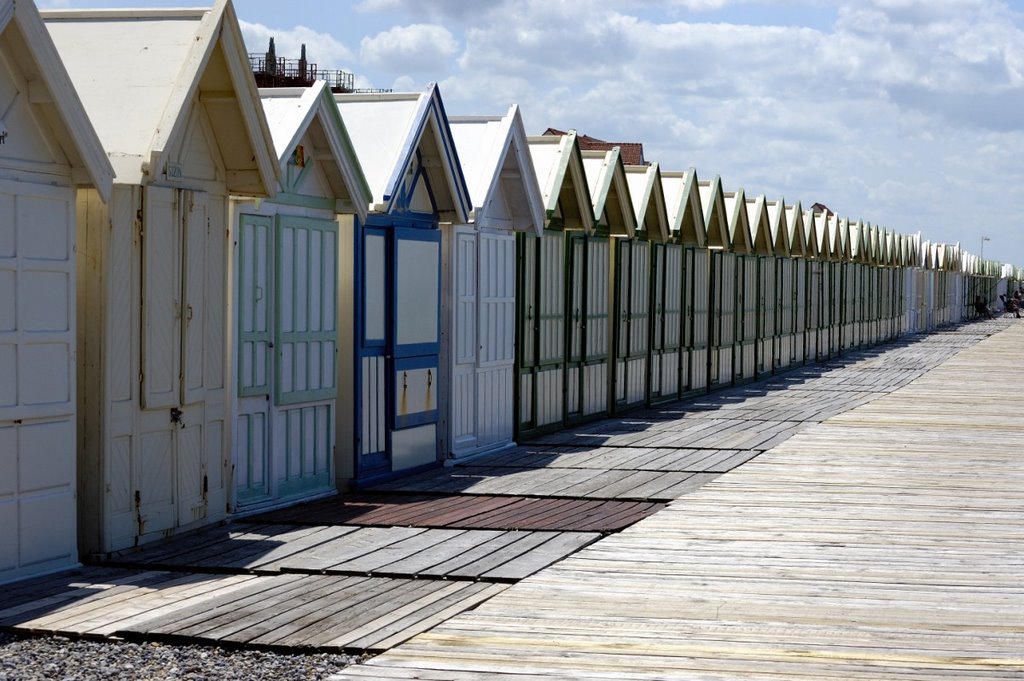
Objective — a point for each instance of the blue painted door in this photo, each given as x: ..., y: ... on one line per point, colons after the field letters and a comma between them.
x: 397, y: 384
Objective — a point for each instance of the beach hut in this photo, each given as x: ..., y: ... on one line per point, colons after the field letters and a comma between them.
x: 681, y: 295
x: 479, y: 265
x: 594, y: 260
x: 722, y: 314
x: 800, y: 260
x: 821, y: 283
x: 745, y: 299
x: 48, y: 148
x: 646, y: 337
x: 542, y: 315
x: 391, y: 400
x: 782, y: 326
x: 832, y: 296
x: 764, y: 297
x: 285, y: 300
x: 154, y: 378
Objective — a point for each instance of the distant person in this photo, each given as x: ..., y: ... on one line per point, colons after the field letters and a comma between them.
x: 1011, y: 304
x: 980, y: 308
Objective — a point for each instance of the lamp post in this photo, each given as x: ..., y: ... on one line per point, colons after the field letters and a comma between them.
x: 981, y: 255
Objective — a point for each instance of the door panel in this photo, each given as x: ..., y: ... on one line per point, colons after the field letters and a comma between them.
x: 161, y: 292
x: 254, y: 296
x: 415, y: 346
x: 196, y: 229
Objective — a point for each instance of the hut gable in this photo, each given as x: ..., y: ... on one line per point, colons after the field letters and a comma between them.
x: 495, y: 159
x: 314, y: 151
x: 407, y: 153
x: 822, y: 236
x: 558, y: 165
x: 190, y: 90
x: 609, y: 191
x: 45, y: 126
x: 683, y: 203
x: 740, y: 239
x: 716, y: 218
x: 760, y: 228
x: 648, y: 198
x: 798, y: 245
x: 778, y: 227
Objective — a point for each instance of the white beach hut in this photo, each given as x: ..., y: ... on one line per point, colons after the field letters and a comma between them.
x: 286, y: 287
x: 389, y: 414
x: 153, y: 384
x: 722, y: 314
x: 479, y: 266
x: 47, y: 148
x: 680, y: 292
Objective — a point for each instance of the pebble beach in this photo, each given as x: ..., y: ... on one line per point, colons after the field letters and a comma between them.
x: 55, y: 658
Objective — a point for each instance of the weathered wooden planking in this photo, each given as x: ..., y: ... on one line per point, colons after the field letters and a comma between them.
x: 882, y: 543
x: 326, y: 612
x: 474, y: 511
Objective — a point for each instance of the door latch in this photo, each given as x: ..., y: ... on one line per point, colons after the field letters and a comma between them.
x: 176, y: 416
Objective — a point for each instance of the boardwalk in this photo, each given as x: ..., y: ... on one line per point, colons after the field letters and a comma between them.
x: 883, y: 542
x: 858, y: 519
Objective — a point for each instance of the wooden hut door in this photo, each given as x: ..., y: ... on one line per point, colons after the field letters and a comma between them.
x: 415, y: 345
x: 399, y: 350
x: 495, y: 367
x: 170, y: 471
x: 666, y: 323
x: 631, y: 331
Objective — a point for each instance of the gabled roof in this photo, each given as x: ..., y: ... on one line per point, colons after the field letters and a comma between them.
x: 683, y: 205
x: 53, y: 96
x: 609, y: 190
x: 563, y: 182
x: 836, y: 240
x: 860, y: 242
x: 716, y: 218
x: 778, y: 225
x: 502, y: 183
x: 309, y: 113
x: 813, y: 241
x: 395, y: 132
x: 647, y: 194
x: 798, y: 246
x: 760, y: 229
x: 875, y: 242
x: 740, y: 239
x: 138, y: 72
x: 841, y: 233
x: 890, y: 249
x: 821, y: 228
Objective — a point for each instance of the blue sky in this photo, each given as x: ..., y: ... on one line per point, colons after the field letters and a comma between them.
x: 903, y: 113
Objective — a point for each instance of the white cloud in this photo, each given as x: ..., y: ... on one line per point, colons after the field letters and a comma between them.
x: 413, y: 49
x: 321, y: 48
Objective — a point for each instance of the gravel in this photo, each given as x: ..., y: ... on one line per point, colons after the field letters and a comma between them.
x: 55, y: 658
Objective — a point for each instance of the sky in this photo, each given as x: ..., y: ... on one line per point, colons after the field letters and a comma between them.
x: 908, y: 114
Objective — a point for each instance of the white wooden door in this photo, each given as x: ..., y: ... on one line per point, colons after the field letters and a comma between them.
x: 252, y: 426
x: 170, y: 472
x: 464, y: 345
x: 495, y: 370
x: 37, y: 379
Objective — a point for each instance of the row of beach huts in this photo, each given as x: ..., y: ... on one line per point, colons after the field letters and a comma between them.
x: 216, y: 298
